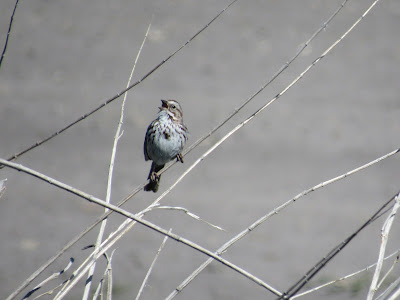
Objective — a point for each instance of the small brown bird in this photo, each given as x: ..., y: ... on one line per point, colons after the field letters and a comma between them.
x: 165, y: 138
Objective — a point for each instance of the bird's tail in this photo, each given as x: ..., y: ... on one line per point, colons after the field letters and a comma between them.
x: 154, y: 178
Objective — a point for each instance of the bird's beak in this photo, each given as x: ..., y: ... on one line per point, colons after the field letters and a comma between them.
x: 164, y: 104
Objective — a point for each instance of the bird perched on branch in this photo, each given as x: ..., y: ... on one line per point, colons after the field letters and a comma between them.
x: 165, y: 138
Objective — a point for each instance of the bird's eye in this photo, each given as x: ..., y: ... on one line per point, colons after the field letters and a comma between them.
x: 173, y: 106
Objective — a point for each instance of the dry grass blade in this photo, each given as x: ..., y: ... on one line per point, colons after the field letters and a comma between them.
x: 2, y: 186
x: 134, y: 217
x: 328, y: 257
x: 80, y: 235
x: 186, y: 211
x: 385, y: 237
x: 146, y: 278
x: 345, y: 277
x: 108, y: 274
x: 62, y: 251
x: 117, y: 136
x: 39, y: 143
x: 272, y: 79
x: 274, y: 212
x: 393, y: 284
x: 47, y: 280
x: 8, y: 33
x: 385, y: 295
x: 258, y: 111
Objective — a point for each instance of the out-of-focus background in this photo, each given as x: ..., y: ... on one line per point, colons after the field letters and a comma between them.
x: 66, y: 57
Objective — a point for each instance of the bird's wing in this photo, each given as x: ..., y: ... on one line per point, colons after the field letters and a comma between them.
x: 146, y: 155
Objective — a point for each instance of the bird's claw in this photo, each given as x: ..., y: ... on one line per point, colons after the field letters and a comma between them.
x: 179, y: 158
x: 154, y: 177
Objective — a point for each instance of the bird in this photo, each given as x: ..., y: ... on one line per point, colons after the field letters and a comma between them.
x: 164, y: 140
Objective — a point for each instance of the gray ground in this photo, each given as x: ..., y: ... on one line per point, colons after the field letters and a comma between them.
x: 66, y: 57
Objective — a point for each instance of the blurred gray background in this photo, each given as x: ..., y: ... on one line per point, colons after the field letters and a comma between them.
x: 66, y: 57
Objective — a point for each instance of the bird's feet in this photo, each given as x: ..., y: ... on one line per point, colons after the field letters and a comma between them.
x: 154, y: 177
x: 179, y: 158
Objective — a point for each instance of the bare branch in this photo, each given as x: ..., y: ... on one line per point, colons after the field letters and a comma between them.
x: 386, y: 293
x: 8, y: 33
x: 344, y: 277
x: 328, y: 257
x: 146, y: 278
x: 272, y: 79
x: 186, y: 211
x: 243, y: 123
x: 274, y: 212
x: 385, y: 236
x: 2, y: 186
x: 37, y: 144
x: 139, y: 220
x: 48, y: 279
x: 111, y: 169
x: 108, y: 274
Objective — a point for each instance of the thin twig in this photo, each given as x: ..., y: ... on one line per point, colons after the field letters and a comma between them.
x: 186, y: 211
x: 62, y: 251
x: 66, y: 247
x: 187, y: 150
x: 108, y: 243
x: 146, y: 278
x: 108, y: 274
x: 110, y: 277
x: 134, y: 217
x: 274, y: 212
x: 392, y: 286
x: 99, y: 290
x: 111, y: 169
x: 388, y: 272
x: 15, y: 156
x: 266, y: 84
x: 104, y: 247
x: 327, y: 258
x: 384, y: 236
x: 8, y: 32
x: 243, y: 123
x: 2, y: 186
x: 395, y: 284
x: 82, y: 235
x: 48, y: 279
x: 344, y: 277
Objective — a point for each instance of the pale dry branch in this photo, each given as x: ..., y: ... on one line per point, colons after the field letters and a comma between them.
x: 8, y: 33
x: 186, y: 211
x: 2, y: 187
x: 110, y: 277
x: 86, y: 265
x: 388, y: 272
x: 275, y: 211
x: 117, y: 136
x: 83, y: 117
x: 272, y: 79
x: 293, y: 200
x: 108, y: 274
x: 345, y: 277
x: 47, y: 280
x: 384, y: 236
x: 62, y: 251
x: 328, y: 257
x: 98, y: 291
x: 396, y: 294
x: 146, y: 278
x: 144, y: 222
x: 258, y: 111
x: 105, y: 215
